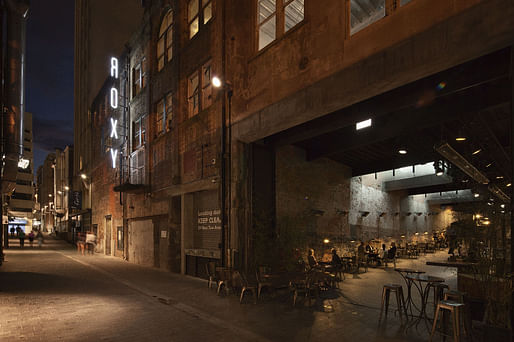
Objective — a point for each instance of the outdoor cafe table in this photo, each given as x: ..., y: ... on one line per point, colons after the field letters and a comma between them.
x: 422, y: 282
x: 404, y: 272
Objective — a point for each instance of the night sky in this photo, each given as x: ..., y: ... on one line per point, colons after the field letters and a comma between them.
x: 49, y: 75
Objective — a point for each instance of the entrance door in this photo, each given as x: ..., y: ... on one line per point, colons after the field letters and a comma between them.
x: 108, y: 230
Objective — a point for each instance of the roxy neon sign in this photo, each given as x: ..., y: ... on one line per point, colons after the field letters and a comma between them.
x: 114, y: 105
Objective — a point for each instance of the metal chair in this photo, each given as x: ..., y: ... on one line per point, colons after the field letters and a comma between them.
x: 262, y: 282
x: 210, y: 269
x: 242, y: 282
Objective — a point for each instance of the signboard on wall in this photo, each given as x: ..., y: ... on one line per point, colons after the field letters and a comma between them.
x: 209, y: 219
x: 76, y: 200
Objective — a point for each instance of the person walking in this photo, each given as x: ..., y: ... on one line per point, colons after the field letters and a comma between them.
x: 90, y: 242
x: 39, y: 237
x: 31, y: 238
x: 21, y: 236
x: 12, y: 231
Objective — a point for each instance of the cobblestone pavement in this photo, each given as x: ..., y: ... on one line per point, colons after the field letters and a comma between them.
x: 55, y: 294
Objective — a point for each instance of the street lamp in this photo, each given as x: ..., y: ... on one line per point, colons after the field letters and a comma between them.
x: 225, y: 186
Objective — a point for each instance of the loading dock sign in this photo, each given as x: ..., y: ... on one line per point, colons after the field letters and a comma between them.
x: 209, y: 220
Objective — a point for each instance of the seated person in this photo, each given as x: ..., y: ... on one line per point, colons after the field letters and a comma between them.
x: 382, y: 254
x: 312, y: 259
x: 336, y: 260
x: 391, y: 253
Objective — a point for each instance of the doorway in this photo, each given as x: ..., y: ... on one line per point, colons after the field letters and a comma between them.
x: 108, y: 230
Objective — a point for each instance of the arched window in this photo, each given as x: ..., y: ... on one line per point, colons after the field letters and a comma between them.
x: 164, y: 45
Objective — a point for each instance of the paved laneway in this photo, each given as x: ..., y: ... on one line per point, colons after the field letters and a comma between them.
x: 54, y: 294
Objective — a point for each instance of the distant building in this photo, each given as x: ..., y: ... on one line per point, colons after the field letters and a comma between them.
x: 13, y: 17
x: 20, y: 207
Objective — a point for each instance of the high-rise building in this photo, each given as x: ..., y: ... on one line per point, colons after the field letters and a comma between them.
x: 20, y: 206
x: 13, y: 17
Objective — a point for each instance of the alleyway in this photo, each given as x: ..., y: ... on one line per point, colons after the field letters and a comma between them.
x: 54, y: 294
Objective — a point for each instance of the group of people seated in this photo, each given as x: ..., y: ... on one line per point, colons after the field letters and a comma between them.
x: 381, y: 255
x: 364, y: 252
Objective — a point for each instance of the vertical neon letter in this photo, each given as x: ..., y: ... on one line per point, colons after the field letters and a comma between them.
x: 114, y: 153
x: 114, y: 124
x: 114, y: 67
x: 114, y: 98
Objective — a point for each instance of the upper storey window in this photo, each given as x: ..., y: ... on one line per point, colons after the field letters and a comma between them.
x: 164, y: 45
x: 276, y: 17
x: 365, y: 12
x: 199, y: 13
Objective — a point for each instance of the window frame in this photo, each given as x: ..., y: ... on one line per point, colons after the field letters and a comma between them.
x: 164, y: 114
x: 203, y: 90
x: 166, y: 38
x: 280, y: 21
x: 201, y: 7
x: 138, y: 77
x: 138, y: 133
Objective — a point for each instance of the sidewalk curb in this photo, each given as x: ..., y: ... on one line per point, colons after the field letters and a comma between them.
x: 177, y: 305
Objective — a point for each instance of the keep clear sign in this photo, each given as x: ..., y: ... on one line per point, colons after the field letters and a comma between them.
x: 209, y: 220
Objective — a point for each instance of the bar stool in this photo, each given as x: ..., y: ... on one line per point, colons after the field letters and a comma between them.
x: 455, y: 310
x: 455, y: 296
x: 400, y: 300
x: 438, y: 292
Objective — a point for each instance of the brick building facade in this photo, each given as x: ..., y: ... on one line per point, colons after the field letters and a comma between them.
x: 296, y: 78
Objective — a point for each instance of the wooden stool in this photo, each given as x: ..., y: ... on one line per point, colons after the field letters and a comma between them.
x: 455, y: 310
x: 455, y: 296
x: 438, y: 292
x: 400, y: 300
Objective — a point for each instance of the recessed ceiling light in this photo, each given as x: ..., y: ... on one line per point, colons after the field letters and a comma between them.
x: 476, y: 195
x: 489, y: 165
x: 402, y: 151
x: 477, y: 151
x: 499, y: 177
x: 363, y: 124
x: 509, y: 185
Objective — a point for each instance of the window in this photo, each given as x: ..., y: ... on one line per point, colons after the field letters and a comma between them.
x: 200, y: 89
x: 159, y: 118
x: 164, y: 45
x: 364, y: 13
x: 164, y: 114
x: 206, y: 85
x: 138, y: 77
x: 138, y: 133
x: 276, y: 17
x: 193, y: 94
x: 199, y: 13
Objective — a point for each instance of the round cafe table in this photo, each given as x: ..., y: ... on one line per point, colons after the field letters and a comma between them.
x: 422, y: 282
x: 403, y: 272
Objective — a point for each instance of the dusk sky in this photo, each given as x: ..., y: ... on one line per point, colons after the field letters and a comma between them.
x: 49, y: 88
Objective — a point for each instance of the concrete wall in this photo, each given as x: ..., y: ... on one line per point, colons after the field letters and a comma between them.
x: 318, y: 68
x: 323, y: 199
x: 312, y: 195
